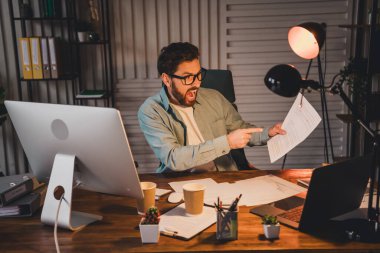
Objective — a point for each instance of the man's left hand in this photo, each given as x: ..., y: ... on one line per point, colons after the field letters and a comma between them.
x: 276, y: 129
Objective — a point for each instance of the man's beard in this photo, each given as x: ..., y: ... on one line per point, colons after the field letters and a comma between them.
x: 182, y: 98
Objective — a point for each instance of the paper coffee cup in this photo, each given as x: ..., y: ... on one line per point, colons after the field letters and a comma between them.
x: 193, y: 194
x: 149, y: 190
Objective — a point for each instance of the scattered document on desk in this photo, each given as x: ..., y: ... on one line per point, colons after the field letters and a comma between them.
x: 300, y: 122
x: 255, y: 191
x: 266, y: 189
x: 178, y: 224
x: 161, y: 192
x: 209, y: 183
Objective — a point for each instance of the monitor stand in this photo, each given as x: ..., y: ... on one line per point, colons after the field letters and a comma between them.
x: 61, y: 180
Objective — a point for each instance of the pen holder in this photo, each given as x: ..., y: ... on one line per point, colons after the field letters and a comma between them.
x: 227, y: 225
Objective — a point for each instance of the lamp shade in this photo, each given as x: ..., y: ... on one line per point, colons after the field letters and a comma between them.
x: 307, y: 39
x: 286, y: 81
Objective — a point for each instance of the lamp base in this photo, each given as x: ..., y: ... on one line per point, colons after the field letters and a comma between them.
x: 362, y: 230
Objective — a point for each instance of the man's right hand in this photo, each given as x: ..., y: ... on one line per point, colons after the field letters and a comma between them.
x: 240, y: 137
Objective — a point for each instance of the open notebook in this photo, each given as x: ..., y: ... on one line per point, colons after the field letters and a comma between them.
x: 178, y: 224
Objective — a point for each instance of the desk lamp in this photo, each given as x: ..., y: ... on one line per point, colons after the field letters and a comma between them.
x: 306, y: 40
x: 285, y: 80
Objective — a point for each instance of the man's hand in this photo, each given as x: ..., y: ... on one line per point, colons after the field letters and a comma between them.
x: 240, y: 137
x: 276, y: 129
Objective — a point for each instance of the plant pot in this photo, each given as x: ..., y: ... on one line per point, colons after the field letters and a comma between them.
x: 82, y: 36
x: 272, y: 231
x: 150, y: 233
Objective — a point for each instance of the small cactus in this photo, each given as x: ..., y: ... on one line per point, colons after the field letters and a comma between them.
x: 152, y: 216
x: 269, y: 220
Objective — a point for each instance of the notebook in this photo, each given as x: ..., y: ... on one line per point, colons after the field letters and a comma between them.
x: 334, y: 190
x: 177, y: 224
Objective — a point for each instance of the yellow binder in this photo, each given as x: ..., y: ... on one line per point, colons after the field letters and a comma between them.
x: 35, y: 48
x: 26, y: 63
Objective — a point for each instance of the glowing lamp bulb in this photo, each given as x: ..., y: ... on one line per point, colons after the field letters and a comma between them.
x: 303, y: 42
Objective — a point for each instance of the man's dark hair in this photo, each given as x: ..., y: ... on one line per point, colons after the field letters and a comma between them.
x: 174, y: 54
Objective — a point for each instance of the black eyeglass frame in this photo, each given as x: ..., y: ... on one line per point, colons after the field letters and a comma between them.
x: 200, y: 76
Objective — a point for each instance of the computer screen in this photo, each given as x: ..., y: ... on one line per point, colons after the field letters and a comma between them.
x: 94, y: 138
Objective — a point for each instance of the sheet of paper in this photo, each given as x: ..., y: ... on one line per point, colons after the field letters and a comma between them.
x: 266, y: 189
x: 255, y: 191
x: 177, y: 222
x: 209, y: 183
x: 161, y: 192
x: 299, y: 124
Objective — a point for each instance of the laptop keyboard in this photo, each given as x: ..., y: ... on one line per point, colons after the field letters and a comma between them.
x: 293, y: 214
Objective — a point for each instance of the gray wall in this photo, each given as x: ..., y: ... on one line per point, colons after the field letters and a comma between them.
x: 246, y: 36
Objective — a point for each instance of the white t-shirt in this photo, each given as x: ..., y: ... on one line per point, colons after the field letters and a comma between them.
x: 194, y: 136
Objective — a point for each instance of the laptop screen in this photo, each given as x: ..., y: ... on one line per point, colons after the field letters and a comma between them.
x: 334, y: 190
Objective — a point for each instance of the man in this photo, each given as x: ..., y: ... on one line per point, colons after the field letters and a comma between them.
x: 189, y: 127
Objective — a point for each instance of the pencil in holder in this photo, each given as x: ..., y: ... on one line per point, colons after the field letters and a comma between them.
x: 227, y: 225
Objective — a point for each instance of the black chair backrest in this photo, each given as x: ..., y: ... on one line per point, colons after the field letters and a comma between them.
x: 221, y: 80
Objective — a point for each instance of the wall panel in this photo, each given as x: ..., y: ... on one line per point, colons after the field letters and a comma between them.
x: 246, y: 36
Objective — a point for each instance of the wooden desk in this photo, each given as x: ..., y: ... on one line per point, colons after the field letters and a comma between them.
x: 116, y: 233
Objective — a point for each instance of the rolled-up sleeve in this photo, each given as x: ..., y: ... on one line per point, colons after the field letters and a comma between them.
x: 161, y: 135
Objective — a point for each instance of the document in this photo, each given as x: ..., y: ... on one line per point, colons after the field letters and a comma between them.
x: 300, y: 122
x: 266, y: 189
x: 209, y: 183
x: 178, y: 224
x: 255, y: 191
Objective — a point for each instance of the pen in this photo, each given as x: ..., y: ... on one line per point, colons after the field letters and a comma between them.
x: 235, y: 203
x: 169, y: 232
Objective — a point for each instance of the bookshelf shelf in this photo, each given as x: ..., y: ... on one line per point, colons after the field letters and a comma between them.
x: 71, y: 61
x: 100, y: 42
x: 44, y: 19
x: 62, y: 78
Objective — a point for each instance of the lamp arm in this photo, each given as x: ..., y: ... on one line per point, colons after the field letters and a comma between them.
x: 373, y: 213
x: 337, y: 89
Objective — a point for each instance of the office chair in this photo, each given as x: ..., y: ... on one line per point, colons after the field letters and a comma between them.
x: 221, y: 80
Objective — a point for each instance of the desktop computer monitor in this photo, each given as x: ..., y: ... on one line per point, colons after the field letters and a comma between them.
x: 70, y: 145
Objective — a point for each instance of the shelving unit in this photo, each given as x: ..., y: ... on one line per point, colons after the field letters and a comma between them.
x: 73, y: 55
x: 365, y: 48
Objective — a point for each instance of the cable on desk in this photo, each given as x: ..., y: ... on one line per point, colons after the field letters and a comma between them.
x: 56, y: 224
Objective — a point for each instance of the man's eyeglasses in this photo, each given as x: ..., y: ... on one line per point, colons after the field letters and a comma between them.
x: 190, y: 79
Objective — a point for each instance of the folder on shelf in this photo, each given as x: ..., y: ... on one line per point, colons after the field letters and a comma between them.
x: 45, y: 58
x: 26, y: 63
x: 35, y: 49
x: 54, y: 57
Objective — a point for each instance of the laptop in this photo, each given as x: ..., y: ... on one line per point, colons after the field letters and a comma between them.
x: 334, y: 190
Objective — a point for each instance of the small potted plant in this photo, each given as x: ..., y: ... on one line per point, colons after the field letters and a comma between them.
x: 83, y: 28
x: 271, y: 227
x: 149, y: 226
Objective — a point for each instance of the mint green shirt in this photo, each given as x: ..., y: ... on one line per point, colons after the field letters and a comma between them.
x: 215, y: 116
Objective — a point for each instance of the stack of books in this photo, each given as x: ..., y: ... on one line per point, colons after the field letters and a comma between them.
x: 20, y: 195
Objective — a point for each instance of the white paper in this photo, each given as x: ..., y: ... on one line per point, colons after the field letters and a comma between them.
x: 161, y: 192
x: 298, y: 124
x: 209, y: 183
x: 186, y: 226
x: 266, y: 189
x: 255, y: 191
